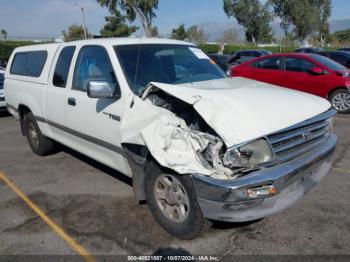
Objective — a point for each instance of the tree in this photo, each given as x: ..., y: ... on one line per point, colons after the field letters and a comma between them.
x: 306, y: 16
x: 325, y: 11
x: 75, y: 32
x: 116, y: 27
x: 196, y: 35
x: 253, y: 16
x: 179, y: 33
x: 143, y: 9
x: 229, y: 37
x: 154, y: 31
x: 3, y: 33
x: 342, y: 36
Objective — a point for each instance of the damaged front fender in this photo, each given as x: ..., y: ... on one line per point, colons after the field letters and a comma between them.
x: 171, y: 142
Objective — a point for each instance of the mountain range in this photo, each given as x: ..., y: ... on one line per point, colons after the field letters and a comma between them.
x: 214, y: 30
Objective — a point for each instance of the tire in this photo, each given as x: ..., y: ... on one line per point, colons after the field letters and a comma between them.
x: 340, y: 100
x: 39, y: 144
x: 187, y: 225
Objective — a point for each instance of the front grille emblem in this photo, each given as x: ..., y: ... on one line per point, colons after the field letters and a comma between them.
x: 307, y: 135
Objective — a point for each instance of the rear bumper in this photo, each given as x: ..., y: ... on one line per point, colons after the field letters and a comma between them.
x: 227, y: 200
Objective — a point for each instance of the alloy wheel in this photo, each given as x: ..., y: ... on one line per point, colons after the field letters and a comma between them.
x: 171, y: 198
x: 341, y: 101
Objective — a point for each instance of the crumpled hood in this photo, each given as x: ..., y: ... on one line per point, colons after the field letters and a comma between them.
x: 241, y: 109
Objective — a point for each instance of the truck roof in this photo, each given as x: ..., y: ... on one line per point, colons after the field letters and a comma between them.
x: 52, y: 48
x: 111, y: 41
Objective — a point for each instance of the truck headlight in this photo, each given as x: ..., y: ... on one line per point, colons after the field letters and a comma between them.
x: 249, y: 155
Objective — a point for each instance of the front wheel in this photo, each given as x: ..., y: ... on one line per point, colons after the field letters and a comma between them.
x: 340, y: 100
x: 172, y: 201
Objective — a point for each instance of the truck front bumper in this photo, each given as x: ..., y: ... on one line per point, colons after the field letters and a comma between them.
x: 227, y: 200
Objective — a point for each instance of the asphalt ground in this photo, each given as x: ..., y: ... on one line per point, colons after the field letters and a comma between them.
x: 94, y: 206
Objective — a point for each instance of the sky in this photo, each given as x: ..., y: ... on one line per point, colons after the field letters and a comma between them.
x: 47, y: 18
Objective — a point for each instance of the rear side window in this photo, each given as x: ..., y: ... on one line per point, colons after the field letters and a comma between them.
x: 62, y: 67
x: 28, y: 63
x: 298, y: 65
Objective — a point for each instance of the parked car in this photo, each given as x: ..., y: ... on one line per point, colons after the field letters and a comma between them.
x: 2, y: 97
x: 220, y: 60
x: 242, y: 56
x: 309, y: 73
x: 199, y: 146
x: 238, y: 55
x: 346, y: 49
x: 340, y: 57
x: 308, y: 50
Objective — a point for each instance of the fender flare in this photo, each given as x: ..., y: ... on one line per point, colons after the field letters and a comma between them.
x: 138, y: 157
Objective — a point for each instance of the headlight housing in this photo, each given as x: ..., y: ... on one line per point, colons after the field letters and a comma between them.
x: 330, y: 125
x: 249, y: 155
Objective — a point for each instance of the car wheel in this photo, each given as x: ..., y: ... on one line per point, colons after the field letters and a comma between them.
x: 340, y: 100
x: 39, y: 144
x: 172, y: 201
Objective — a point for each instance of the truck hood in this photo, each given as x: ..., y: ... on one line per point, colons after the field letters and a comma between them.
x: 241, y: 109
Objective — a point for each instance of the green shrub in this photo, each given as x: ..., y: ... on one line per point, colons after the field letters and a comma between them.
x: 209, y: 48
x: 7, y: 47
x: 229, y: 49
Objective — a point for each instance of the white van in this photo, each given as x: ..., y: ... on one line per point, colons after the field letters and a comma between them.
x: 198, y: 145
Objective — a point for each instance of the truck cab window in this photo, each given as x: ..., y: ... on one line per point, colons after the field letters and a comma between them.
x: 93, y: 63
x: 29, y: 63
x: 62, y: 67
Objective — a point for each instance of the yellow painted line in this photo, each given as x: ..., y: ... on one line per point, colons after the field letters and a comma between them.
x: 56, y: 228
x: 341, y: 170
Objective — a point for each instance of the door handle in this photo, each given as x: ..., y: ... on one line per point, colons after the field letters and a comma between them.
x: 71, y: 101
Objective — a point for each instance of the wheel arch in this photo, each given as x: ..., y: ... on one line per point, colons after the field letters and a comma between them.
x: 138, y: 158
x: 335, y: 89
x: 22, y: 111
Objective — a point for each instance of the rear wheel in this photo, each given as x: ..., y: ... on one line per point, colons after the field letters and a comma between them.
x: 340, y: 100
x: 172, y: 201
x: 39, y: 144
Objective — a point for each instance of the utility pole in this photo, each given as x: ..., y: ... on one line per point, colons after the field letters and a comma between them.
x: 83, y: 17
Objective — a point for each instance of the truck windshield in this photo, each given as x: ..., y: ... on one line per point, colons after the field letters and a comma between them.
x: 164, y: 63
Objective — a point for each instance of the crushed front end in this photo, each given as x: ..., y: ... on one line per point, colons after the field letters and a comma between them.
x: 300, y: 157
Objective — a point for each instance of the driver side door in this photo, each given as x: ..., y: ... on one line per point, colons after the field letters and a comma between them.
x: 94, y: 123
x: 297, y: 76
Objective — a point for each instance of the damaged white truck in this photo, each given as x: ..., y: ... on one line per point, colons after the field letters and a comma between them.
x: 198, y: 145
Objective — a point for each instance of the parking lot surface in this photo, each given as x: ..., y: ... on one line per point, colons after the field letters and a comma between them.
x: 94, y: 205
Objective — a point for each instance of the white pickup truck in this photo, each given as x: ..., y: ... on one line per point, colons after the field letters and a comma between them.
x: 198, y: 145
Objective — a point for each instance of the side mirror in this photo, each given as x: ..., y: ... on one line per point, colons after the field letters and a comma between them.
x: 316, y: 71
x: 100, y: 89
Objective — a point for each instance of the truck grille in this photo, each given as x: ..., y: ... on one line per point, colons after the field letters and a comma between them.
x: 298, y: 139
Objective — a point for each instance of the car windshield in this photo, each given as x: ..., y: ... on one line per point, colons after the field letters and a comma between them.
x: 334, y: 66
x: 164, y: 63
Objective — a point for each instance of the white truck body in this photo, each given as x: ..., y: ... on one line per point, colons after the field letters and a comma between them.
x: 239, y: 111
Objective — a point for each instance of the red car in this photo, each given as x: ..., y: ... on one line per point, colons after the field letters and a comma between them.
x: 309, y: 73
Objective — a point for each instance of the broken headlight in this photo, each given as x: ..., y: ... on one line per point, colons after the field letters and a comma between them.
x: 249, y: 155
